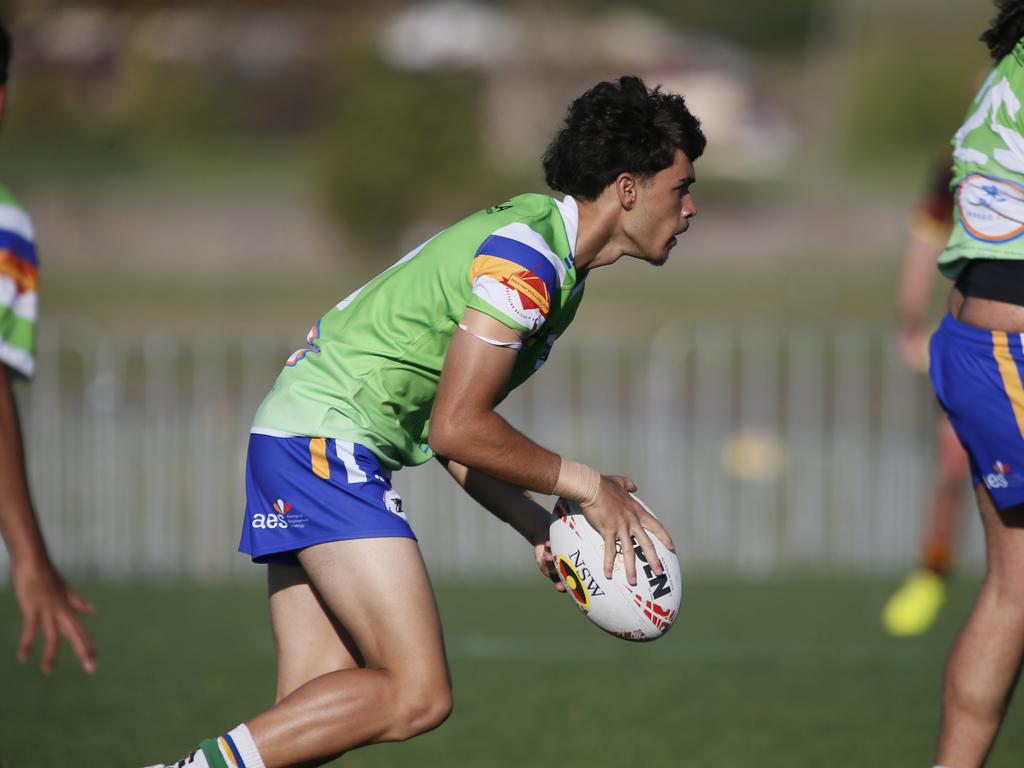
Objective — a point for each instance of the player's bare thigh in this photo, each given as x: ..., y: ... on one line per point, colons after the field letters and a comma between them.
x: 1004, y: 544
x: 308, y: 640
x: 379, y: 591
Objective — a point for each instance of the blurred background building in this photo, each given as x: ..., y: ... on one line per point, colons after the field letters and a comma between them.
x: 208, y: 178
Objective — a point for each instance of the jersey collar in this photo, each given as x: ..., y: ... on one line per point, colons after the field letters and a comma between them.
x: 571, y: 220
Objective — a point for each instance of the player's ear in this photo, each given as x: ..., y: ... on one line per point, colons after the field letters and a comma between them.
x: 625, y: 189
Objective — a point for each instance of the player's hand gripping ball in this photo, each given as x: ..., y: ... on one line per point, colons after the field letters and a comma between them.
x: 644, y: 612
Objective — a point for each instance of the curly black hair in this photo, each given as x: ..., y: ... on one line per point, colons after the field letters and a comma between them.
x: 1006, y: 29
x: 5, y: 53
x: 616, y: 127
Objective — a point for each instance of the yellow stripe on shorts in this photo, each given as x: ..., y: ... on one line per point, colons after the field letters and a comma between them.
x: 224, y: 748
x: 318, y: 456
x: 1011, y: 376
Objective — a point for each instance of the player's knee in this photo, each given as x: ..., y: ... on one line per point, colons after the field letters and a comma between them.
x: 422, y: 711
x: 1003, y: 593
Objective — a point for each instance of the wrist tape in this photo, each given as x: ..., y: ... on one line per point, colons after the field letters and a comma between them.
x: 577, y: 482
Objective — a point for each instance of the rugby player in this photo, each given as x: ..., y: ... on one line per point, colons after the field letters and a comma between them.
x: 976, y: 357
x: 408, y: 368
x: 48, y: 605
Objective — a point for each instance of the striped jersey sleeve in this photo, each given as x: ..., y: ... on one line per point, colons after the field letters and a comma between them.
x: 18, y: 278
x: 515, y: 276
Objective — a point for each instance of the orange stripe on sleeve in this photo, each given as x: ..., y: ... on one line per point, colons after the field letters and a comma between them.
x: 24, y: 274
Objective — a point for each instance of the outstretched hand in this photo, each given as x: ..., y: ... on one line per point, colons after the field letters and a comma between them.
x: 51, y: 607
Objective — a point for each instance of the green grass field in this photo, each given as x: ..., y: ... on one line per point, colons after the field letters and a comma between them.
x: 786, y: 672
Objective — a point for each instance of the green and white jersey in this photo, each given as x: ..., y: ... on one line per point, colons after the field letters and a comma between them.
x: 371, y: 366
x: 988, y: 171
x: 18, y: 280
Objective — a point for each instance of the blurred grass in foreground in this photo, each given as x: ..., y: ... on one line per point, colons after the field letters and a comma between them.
x: 788, y: 672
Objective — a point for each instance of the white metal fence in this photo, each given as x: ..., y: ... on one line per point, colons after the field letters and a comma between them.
x: 760, y: 447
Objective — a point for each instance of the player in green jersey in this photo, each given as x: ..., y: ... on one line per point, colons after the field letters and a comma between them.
x: 977, y: 358
x: 409, y: 367
x: 47, y: 604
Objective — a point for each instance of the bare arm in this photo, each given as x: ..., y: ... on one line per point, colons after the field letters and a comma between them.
x: 46, y: 602
x: 464, y: 428
x: 915, y: 293
x: 513, y: 505
x: 463, y: 425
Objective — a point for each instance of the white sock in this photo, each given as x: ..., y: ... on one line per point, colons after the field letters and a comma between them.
x: 196, y: 760
x: 246, y: 747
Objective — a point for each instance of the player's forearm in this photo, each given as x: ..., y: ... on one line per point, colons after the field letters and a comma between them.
x: 18, y: 524
x: 489, y: 444
x: 918, y: 279
x: 22, y: 535
x: 507, y: 502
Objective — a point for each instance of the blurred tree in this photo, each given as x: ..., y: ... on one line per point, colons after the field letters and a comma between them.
x: 777, y: 26
x: 401, y: 147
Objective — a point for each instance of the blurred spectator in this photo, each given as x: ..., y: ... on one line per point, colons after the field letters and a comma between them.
x: 916, y: 604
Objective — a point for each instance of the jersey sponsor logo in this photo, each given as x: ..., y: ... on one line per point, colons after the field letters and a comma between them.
x: 991, y: 209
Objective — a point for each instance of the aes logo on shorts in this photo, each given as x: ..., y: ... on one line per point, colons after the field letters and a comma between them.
x: 1002, y: 478
x: 281, y: 517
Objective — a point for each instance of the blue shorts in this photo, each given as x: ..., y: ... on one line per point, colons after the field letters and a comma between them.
x: 301, y: 491
x: 976, y: 374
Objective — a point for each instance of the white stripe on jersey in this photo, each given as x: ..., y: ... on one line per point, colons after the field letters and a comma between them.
x: 346, y: 452
x: 24, y: 305
x: 17, y: 358
x: 526, y: 236
x: 272, y: 432
x: 14, y: 219
x: 570, y: 220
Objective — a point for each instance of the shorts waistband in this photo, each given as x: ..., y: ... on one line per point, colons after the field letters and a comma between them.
x: 971, y: 334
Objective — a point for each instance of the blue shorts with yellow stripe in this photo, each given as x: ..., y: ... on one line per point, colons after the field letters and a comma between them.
x: 976, y: 374
x: 301, y: 491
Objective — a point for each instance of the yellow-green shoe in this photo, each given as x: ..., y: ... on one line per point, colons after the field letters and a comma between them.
x: 915, y: 605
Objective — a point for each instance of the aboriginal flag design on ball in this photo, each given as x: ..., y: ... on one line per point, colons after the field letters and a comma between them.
x: 573, y: 582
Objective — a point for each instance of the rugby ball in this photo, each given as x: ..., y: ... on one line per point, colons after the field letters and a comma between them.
x: 640, y: 613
